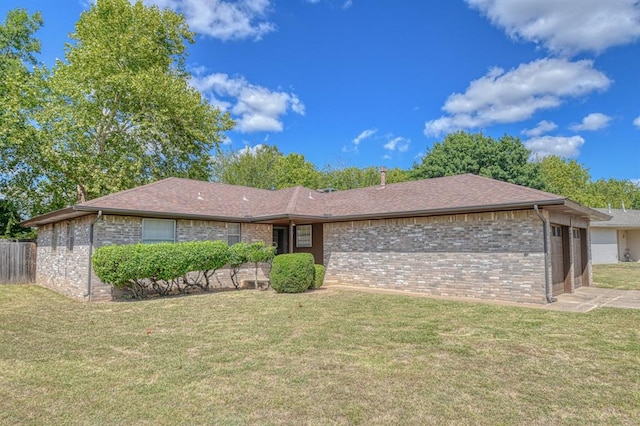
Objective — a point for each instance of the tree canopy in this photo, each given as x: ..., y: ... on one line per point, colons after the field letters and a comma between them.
x: 265, y: 167
x: 119, y: 110
x: 573, y: 180
x: 505, y: 159
x: 20, y: 90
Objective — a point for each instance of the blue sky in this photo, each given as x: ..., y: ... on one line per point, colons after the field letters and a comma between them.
x: 362, y: 83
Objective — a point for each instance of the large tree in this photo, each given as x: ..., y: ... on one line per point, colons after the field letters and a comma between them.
x: 21, y: 87
x: 342, y: 178
x: 119, y: 111
x: 265, y: 167
x: 571, y: 179
x: 10, y: 222
x: 568, y: 178
x: 505, y: 159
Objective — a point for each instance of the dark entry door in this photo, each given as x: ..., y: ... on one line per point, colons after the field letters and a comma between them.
x: 280, y: 240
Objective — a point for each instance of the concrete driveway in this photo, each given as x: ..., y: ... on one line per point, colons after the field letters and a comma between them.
x: 588, y: 298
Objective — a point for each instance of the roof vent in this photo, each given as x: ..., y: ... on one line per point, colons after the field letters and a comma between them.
x: 609, y: 207
x: 200, y: 197
x: 311, y: 196
x: 244, y: 198
x: 623, y: 208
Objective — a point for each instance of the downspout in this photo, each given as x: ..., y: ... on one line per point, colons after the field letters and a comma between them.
x: 547, y: 284
x: 89, y: 269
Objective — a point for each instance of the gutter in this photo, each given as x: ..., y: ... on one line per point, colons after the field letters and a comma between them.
x: 547, y: 283
x: 89, y: 269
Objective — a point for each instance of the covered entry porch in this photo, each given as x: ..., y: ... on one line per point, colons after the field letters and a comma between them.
x: 304, y: 237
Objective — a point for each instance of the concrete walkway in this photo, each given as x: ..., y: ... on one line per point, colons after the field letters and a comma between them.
x: 583, y: 300
x: 588, y: 298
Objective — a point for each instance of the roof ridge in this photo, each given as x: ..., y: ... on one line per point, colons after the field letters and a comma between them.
x: 523, y: 187
x: 127, y: 191
x: 293, y: 200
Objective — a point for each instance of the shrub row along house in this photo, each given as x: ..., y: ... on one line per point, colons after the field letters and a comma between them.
x: 453, y: 236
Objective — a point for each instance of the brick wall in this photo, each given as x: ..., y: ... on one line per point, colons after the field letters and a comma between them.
x: 485, y: 255
x: 65, y: 270
x: 61, y: 267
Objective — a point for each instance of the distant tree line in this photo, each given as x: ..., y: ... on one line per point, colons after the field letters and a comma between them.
x: 505, y: 159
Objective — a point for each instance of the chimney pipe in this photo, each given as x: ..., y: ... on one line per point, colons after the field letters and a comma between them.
x: 383, y: 177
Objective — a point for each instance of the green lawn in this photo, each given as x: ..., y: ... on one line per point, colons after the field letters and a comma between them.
x: 327, y: 357
x: 622, y: 276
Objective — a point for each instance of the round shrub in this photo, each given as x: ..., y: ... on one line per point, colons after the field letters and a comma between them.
x: 318, y: 276
x: 292, y: 273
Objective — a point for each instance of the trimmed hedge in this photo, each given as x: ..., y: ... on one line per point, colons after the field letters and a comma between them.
x: 292, y: 273
x: 167, y: 268
x: 318, y: 277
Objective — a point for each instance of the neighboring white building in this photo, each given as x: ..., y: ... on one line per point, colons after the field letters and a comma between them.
x: 617, y: 240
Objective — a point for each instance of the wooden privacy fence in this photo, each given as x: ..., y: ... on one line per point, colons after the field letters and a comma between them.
x: 17, y: 262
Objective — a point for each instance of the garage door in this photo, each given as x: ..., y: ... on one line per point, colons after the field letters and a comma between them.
x: 577, y: 258
x: 557, y: 260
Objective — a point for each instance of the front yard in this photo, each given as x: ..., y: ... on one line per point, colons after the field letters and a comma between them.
x: 621, y: 276
x: 327, y: 357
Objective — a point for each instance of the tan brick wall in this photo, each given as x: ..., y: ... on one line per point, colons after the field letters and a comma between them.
x: 484, y: 255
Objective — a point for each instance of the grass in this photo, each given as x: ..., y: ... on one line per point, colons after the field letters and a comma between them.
x: 621, y: 276
x: 326, y: 357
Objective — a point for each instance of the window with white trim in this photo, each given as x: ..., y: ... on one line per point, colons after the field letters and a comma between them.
x: 158, y: 231
x: 233, y: 233
x: 303, y: 236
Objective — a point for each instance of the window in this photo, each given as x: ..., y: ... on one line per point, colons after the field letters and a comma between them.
x: 576, y: 234
x: 54, y: 237
x: 158, y: 231
x: 556, y: 231
x: 303, y: 236
x: 71, y: 237
x: 233, y: 233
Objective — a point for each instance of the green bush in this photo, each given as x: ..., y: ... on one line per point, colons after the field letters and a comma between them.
x: 292, y: 273
x: 162, y: 267
x: 318, y: 277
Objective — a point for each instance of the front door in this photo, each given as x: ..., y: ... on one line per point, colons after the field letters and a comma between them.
x: 280, y: 240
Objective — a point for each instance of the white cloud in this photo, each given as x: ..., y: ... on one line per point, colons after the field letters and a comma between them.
x: 347, y: 4
x: 250, y: 150
x: 222, y: 19
x: 399, y: 143
x: 566, y: 26
x: 515, y: 95
x: 594, y: 121
x: 541, y: 128
x: 562, y: 146
x: 255, y: 108
x: 364, y: 135
x: 636, y: 122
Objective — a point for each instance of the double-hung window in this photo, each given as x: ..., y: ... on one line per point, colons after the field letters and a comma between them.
x: 303, y: 236
x: 233, y: 233
x: 158, y: 231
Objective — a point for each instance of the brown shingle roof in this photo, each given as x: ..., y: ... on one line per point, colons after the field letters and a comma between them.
x: 176, y: 197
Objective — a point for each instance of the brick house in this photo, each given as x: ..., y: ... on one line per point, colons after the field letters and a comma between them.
x: 453, y: 236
